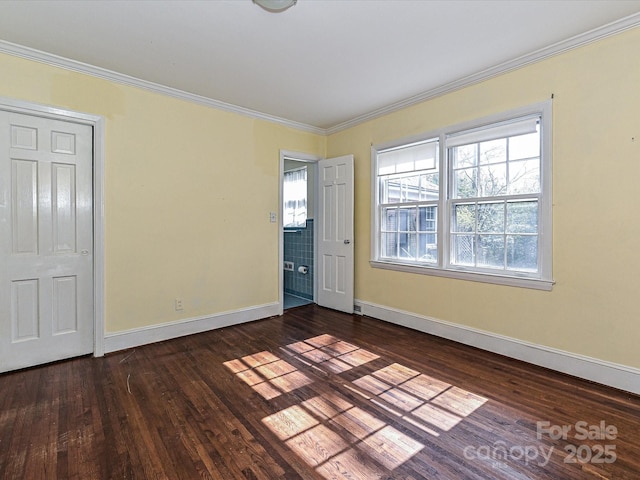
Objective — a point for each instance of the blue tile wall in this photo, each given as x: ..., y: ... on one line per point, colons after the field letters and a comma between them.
x: 298, y: 248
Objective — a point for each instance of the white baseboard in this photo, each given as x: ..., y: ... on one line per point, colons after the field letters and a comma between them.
x: 599, y: 371
x: 166, y: 331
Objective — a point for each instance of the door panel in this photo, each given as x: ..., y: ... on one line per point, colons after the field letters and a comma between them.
x: 63, y: 197
x: 24, y: 311
x: 46, y: 240
x: 335, y: 243
x: 24, y: 196
x: 65, y: 303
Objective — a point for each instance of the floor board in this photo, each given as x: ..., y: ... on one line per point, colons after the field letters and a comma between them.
x: 312, y: 394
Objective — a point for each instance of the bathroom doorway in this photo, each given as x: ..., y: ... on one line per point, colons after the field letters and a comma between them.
x: 298, y: 240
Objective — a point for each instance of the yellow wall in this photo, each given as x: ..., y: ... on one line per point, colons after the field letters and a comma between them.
x: 594, y: 308
x: 188, y: 191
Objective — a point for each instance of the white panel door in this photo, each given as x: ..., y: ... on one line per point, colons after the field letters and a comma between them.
x: 335, y: 235
x: 46, y: 240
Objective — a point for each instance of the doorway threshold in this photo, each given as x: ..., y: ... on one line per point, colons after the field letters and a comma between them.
x: 291, y: 301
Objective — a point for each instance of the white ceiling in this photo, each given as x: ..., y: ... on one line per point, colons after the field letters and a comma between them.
x: 322, y: 63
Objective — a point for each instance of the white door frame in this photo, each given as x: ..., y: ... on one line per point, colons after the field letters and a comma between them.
x: 302, y: 157
x: 97, y: 122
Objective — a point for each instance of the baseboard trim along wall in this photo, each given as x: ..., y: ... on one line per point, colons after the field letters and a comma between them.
x: 166, y: 331
x: 599, y: 371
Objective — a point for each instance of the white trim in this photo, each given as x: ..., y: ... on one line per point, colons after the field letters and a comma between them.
x: 600, y: 371
x: 522, y: 282
x: 136, y: 337
x: 98, y: 236
x: 80, y: 67
x: 97, y: 122
x: 577, y: 41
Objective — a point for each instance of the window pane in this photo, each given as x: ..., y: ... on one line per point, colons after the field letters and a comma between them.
x: 494, y: 151
x: 492, y: 180
x: 465, y: 156
x: 464, y: 185
x: 524, y: 146
x: 524, y: 176
x: 410, y: 188
x: 491, y: 251
x: 491, y: 217
x: 390, y: 190
x: 407, y: 221
x: 427, y: 219
x: 464, y: 218
x: 429, y: 187
x: 407, y: 246
x: 389, y: 219
x: 389, y: 245
x: 410, y: 191
x: 462, y: 249
x: 522, y: 217
x: 427, y: 247
x: 522, y: 252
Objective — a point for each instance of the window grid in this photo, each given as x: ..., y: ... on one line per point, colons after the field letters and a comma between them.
x: 409, y: 232
x: 503, y: 176
x: 409, y: 193
x: 486, y: 199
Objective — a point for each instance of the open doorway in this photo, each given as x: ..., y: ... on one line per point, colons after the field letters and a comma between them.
x: 331, y: 269
x: 298, y: 240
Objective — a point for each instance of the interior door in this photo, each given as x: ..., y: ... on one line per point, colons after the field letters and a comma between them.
x: 335, y: 235
x: 46, y: 240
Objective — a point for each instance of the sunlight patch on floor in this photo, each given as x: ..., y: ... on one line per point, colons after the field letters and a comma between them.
x: 332, y: 435
x: 420, y: 397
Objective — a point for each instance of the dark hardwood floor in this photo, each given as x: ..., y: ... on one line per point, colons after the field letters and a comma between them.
x: 312, y: 394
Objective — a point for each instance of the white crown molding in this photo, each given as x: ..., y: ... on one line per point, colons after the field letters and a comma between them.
x: 599, y: 33
x: 614, y: 375
x: 537, y: 56
x: 80, y: 67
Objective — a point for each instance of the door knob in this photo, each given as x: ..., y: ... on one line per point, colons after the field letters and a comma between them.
x: 347, y: 242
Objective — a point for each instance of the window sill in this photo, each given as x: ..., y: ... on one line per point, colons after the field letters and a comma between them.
x: 522, y: 282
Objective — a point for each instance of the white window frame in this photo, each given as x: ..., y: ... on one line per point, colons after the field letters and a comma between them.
x: 543, y: 278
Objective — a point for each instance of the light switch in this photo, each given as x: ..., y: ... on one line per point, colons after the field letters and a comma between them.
x: 272, y: 217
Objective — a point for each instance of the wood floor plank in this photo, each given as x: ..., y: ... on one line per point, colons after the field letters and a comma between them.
x: 314, y: 394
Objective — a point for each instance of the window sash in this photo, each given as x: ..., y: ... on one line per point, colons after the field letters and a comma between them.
x: 511, y: 242
x: 412, y: 236
x: 518, y: 122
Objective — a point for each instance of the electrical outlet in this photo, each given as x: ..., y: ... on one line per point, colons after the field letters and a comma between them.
x: 288, y: 266
x: 178, y: 303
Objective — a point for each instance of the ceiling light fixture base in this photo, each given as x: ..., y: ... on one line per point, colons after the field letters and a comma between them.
x: 275, y: 6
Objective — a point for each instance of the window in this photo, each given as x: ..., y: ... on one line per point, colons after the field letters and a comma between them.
x: 470, y: 201
x: 294, y: 194
x: 409, y: 193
